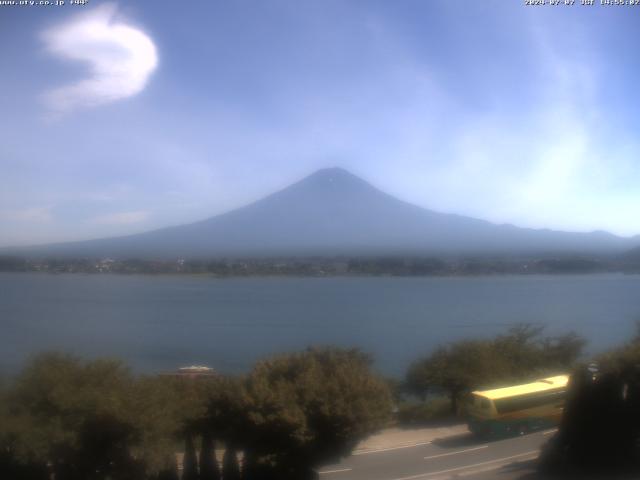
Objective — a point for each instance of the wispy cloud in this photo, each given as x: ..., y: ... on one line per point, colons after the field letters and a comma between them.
x: 121, y: 218
x: 28, y: 215
x: 120, y: 56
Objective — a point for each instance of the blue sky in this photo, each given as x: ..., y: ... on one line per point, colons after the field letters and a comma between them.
x: 118, y: 118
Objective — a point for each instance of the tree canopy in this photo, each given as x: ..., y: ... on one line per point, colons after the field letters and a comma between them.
x: 95, y: 420
x: 521, y: 353
x: 300, y: 409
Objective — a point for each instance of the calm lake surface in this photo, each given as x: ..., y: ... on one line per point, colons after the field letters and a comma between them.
x: 159, y: 323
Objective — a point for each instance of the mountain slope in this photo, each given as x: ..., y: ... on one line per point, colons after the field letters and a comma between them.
x: 334, y: 212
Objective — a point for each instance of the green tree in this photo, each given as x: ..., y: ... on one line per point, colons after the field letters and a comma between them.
x: 159, y: 422
x: 562, y: 352
x: 519, y: 348
x: 166, y: 409
x: 309, y: 407
x: 73, y: 416
x: 528, y: 352
x: 190, y: 459
x: 230, y: 467
x: 169, y: 472
x: 250, y: 466
x: 519, y: 354
x: 456, y: 369
x: 226, y: 417
x: 622, y: 359
x: 94, y: 419
x: 209, y: 469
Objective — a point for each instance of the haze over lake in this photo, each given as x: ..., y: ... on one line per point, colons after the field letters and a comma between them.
x: 164, y: 322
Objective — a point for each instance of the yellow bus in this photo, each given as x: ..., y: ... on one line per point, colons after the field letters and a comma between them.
x: 518, y: 409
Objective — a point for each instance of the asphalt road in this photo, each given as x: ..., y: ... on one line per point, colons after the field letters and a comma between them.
x: 452, y: 457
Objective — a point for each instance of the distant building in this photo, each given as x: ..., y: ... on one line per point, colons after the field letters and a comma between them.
x: 193, y: 371
x: 105, y: 265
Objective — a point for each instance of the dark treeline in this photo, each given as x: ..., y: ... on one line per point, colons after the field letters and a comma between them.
x: 69, y: 419
x: 326, y: 266
x: 599, y: 435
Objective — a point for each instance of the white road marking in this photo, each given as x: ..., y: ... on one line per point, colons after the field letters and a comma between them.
x: 488, y: 468
x: 549, y: 432
x: 324, y: 472
x: 367, y: 452
x: 440, y: 472
x: 455, y: 453
x: 476, y: 471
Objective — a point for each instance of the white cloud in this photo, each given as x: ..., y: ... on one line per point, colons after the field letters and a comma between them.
x: 29, y: 215
x: 121, y: 218
x: 120, y: 57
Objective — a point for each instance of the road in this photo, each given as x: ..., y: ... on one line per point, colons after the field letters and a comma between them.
x: 452, y: 457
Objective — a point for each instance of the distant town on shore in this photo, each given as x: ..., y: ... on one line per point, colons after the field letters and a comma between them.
x: 330, y: 266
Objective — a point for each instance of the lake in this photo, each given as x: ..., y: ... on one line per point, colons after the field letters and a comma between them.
x: 157, y: 323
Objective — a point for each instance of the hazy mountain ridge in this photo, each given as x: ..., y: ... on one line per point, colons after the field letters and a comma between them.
x: 333, y: 212
x: 632, y: 255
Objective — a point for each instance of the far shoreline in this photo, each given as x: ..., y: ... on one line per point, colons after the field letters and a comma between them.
x: 332, y: 266
x: 330, y: 276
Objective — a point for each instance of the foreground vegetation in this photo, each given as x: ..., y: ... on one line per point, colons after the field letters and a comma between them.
x: 75, y: 420
x: 70, y: 419
x: 599, y: 435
